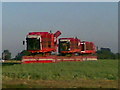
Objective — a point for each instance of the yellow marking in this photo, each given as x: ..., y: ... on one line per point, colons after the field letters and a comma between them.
x: 36, y: 59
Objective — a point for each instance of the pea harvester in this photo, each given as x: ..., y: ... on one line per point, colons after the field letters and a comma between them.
x: 46, y: 47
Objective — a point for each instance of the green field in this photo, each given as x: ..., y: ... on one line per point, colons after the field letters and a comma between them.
x: 96, y: 72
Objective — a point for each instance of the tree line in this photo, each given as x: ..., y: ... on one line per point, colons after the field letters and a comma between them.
x: 106, y: 53
x: 103, y: 53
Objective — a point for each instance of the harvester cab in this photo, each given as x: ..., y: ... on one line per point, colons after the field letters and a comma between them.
x: 69, y: 46
x: 41, y: 42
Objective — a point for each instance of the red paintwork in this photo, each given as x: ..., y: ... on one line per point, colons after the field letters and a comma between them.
x: 51, y: 39
x: 41, y: 51
x: 38, y: 33
x: 37, y: 62
x: 58, y: 33
x: 54, y: 59
x: 46, y: 37
x: 89, y: 48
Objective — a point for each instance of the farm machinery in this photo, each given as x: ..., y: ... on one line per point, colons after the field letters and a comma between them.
x: 41, y: 45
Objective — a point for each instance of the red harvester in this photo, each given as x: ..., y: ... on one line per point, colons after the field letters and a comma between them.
x: 42, y: 44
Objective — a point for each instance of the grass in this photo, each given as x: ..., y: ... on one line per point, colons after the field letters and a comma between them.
x: 101, y: 69
x: 62, y: 71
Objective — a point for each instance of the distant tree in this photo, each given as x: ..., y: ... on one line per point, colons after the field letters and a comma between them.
x: 117, y: 55
x: 23, y: 53
x: 6, y: 55
x: 105, y: 53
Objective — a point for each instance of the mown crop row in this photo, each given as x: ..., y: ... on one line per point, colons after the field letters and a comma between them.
x: 101, y: 69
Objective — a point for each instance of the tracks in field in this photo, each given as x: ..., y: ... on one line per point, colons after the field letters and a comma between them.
x: 81, y: 83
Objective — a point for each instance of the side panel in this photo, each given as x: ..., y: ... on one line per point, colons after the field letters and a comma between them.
x: 53, y: 59
x: 88, y: 48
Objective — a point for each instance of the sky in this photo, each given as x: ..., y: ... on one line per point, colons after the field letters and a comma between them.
x: 89, y: 21
x: 60, y: 0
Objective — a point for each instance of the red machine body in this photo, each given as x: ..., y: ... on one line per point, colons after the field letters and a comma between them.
x: 45, y: 43
x: 74, y: 45
x: 42, y: 42
x: 88, y: 47
x: 69, y: 45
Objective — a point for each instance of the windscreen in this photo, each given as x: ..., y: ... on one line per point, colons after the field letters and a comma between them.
x: 64, y: 46
x: 33, y: 44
